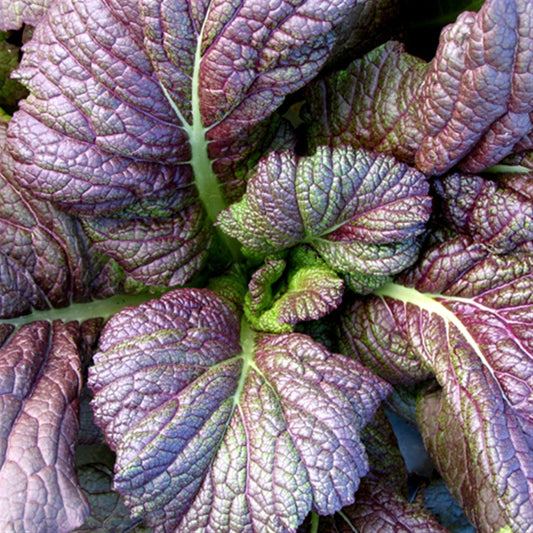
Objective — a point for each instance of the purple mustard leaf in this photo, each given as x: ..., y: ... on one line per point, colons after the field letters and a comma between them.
x: 212, y: 435
x: 5, y: 332
x: 309, y: 291
x: 15, y: 13
x: 468, y: 316
x: 140, y: 93
x: 490, y: 211
x: 476, y: 97
x: 40, y: 381
x: 371, y: 334
x: 45, y: 258
x: 312, y: 293
x: 381, y: 502
x: 446, y: 441
x: 385, y: 459
x: 379, y: 508
x: 360, y: 211
x: 368, y: 24
x: 522, y: 159
x: 94, y: 466
x: 369, y: 104
x: 471, y: 105
x: 161, y: 251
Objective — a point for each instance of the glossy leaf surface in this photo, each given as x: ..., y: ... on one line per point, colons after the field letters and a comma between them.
x: 471, y: 105
x: 468, y: 316
x: 40, y: 381
x: 360, y: 211
x: 210, y: 435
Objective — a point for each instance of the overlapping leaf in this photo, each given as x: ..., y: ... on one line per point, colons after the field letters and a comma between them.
x: 161, y: 251
x: 381, y: 502
x: 470, y: 105
x: 468, y: 315
x: 45, y: 258
x: 493, y: 213
x: 212, y: 435
x: 360, y: 211
x: 40, y: 382
x: 311, y: 291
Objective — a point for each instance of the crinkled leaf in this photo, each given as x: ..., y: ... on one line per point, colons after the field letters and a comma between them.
x: 369, y: 333
x: 40, y: 381
x: 15, y: 13
x: 210, y: 435
x: 475, y: 491
x: 368, y: 24
x: 491, y: 212
x: 369, y: 103
x: 381, y: 501
x: 380, y: 508
x: 360, y: 211
x: 311, y: 291
x: 468, y: 315
x: 260, y: 295
x: 45, y: 258
x: 140, y: 90
x: 471, y: 105
x: 166, y: 251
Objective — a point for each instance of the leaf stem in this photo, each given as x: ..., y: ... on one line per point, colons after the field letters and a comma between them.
x: 83, y: 311
x: 315, y: 519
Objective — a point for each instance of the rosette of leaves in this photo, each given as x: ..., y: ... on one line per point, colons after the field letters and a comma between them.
x: 144, y: 121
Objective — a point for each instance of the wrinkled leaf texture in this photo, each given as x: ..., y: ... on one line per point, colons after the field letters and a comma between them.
x: 381, y: 501
x: 467, y: 314
x: 362, y: 212
x: 15, y: 13
x: 210, y: 435
x: 312, y: 291
x: 40, y: 382
x: 46, y: 259
x: 471, y: 106
x: 127, y: 98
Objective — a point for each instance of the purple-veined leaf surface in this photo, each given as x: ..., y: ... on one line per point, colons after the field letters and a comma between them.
x: 471, y: 105
x: 139, y: 109
x: 211, y: 435
x: 40, y: 380
x: 362, y: 212
x: 467, y: 314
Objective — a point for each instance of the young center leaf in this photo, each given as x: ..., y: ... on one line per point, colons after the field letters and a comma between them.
x: 310, y: 291
x: 467, y: 314
x: 40, y: 383
x: 213, y: 434
x: 362, y: 212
